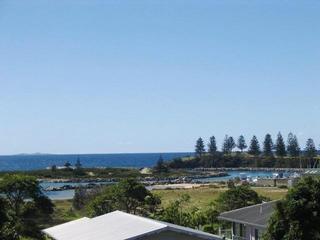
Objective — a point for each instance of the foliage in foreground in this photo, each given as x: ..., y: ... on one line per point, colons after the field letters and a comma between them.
x: 206, y: 218
x: 132, y: 197
x: 238, y: 197
x: 128, y: 195
x: 20, y: 208
x: 297, y: 217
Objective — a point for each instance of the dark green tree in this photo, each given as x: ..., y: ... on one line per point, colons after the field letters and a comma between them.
x: 54, y: 168
x: 254, y: 148
x: 310, y: 149
x: 293, y: 146
x: 212, y: 146
x: 161, y: 167
x: 225, y: 145
x: 228, y: 145
x: 78, y: 164
x: 199, y: 148
x: 237, y: 197
x: 78, y: 171
x: 280, y: 146
x: 68, y: 165
x: 25, y: 204
x: 311, y: 152
x: 103, y: 202
x: 176, y: 212
x: 4, y: 220
x: 128, y: 195
x: 231, y: 144
x: 267, y: 146
x: 297, y: 216
x: 242, y: 143
x: 80, y: 197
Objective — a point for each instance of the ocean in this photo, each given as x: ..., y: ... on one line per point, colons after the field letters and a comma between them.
x: 41, y: 161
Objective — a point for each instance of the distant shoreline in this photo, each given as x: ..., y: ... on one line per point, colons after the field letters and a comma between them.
x: 40, y: 162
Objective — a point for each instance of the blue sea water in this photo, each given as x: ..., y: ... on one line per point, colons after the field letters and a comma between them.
x: 41, y: 161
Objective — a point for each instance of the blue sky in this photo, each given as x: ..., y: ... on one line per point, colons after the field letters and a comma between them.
x: 152, y: 76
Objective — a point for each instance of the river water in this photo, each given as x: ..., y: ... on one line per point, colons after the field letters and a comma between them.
x: 68, y: 194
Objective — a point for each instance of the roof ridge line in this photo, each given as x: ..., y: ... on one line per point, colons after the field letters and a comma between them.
x: 255, y: 205
x: 142, y: 218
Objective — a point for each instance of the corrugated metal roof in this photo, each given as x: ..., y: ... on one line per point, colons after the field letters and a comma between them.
x: 256, y: 215
x: 116, y: 226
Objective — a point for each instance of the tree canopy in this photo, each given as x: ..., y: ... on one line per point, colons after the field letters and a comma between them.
x: 293, y: 145
x: 199, y: 148
x: 297, y: 217
x: 310, y: 150
x: 161, y: 167
x: 24, y: 202
x: 237, y: 197
x: 268, y: 146
x: 228, y: 145
x: 212, y: 146
x: 241, y: 143
x: 280, y: 146
x: 128, y: 195
x: 254, y: 148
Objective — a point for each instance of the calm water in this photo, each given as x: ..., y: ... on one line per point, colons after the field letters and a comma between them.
x: 33, y: 162
x: 68, y: 194
x: 233, y: 174
x: 65, y: 194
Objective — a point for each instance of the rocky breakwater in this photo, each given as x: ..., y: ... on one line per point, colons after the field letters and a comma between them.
x: 72, y: 184
x: 192, y: 178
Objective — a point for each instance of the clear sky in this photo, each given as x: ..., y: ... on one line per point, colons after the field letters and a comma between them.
x: 152, y: 76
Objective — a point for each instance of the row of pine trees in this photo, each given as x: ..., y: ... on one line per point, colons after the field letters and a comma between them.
x: 269, y: 148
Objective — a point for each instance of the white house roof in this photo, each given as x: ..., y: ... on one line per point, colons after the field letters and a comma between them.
x: 116, y: 226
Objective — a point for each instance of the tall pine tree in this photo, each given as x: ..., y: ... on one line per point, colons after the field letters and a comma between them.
x: 212, y: 146
x: 254, y: 148
x: 225, y: 145
x: 231, y: 144
x: 228, y: 145
x: 310, y: 150
x: 242, y: 143
x: 280, y: 146
x: 311, y: 153
x: 199, y: 148
x: 268, y: 146
x: 161, y: 166
x: 293, y: 146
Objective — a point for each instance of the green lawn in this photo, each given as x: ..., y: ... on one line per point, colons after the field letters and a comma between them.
x: 201, y: 197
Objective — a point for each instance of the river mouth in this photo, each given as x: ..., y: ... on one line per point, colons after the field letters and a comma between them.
x: 67, y: 192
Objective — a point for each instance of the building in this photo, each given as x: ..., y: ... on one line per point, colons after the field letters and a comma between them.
x: 120, y: 226
x: 249, y: 223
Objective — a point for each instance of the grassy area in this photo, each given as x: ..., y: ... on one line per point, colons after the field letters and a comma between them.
x: 200, y: 197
